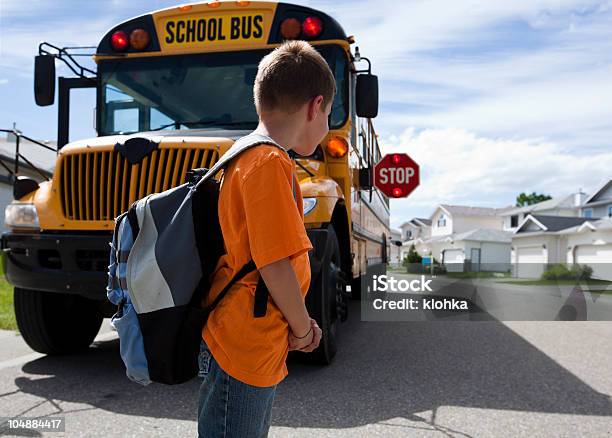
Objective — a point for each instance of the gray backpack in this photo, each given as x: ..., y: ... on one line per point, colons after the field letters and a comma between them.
x: 174, y: 242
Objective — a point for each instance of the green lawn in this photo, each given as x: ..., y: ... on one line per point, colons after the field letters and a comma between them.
x: 606, y: 290
x: 556, y: 282
x: 476, y: 274
x: 7, y: 315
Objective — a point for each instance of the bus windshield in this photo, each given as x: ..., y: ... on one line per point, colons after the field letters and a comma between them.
x: 210, y: 90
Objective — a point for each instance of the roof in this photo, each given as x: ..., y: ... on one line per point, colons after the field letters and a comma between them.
x: 549, y: 204
x: 37, y: 155
x: 484, y: 235
x: 590, y: 224
x: 462, y: 210
x: 423, y: 220
x: 603, y: 188
x: 416, y: 220
x: 552, y: 223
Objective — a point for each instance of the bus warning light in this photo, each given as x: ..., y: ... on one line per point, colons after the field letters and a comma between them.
x: 337, y: 147
x: 139, y: 39
x: 312, y: 27
x: 119, y: 41
x: 291, y: 28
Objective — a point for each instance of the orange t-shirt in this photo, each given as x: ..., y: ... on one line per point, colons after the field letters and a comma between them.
x: 260, y: 219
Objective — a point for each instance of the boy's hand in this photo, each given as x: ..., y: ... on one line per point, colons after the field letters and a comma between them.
x: 310, y: 342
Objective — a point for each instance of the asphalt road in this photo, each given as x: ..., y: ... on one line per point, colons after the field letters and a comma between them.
x: 441, y: 378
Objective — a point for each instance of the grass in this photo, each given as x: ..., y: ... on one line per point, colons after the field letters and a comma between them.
x: 7, y: 313
x: 475, y: 274
x: 592, y: 282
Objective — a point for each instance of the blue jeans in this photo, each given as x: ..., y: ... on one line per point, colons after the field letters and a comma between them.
x: 228, y: 407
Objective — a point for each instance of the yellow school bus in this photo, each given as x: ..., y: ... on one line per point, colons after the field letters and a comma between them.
x: 173, y: 92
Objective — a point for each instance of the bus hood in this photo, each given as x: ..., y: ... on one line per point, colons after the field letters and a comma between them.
x: 187, y: 135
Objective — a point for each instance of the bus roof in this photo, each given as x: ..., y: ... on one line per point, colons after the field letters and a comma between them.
x: 217, y: 26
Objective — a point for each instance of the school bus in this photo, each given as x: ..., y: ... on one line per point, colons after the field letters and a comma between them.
x: 173, y: 92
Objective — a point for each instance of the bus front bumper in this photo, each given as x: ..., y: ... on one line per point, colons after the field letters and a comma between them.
x: 57, y: 262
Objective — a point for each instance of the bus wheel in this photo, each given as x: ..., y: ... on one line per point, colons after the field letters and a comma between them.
x: 56, y: 323
x: 326, y: 301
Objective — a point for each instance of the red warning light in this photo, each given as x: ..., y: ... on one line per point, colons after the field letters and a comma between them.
x: 395, y: 158
x: 312, y: 27
x: 397, y: 192
x: 119, y: 41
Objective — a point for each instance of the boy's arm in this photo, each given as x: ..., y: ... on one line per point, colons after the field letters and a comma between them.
x: 284, y: 287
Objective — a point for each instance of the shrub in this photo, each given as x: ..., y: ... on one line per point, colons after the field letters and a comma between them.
x: 581, y: 272
x: 561, y: 272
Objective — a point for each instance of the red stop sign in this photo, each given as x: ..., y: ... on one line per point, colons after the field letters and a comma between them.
x: 396, y: 175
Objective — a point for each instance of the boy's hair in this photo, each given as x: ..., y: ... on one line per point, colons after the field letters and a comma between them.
x: 290, y: 76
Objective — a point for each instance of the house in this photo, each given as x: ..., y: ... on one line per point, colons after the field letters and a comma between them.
x: 466, y: 237
x: 590, y: 243
x: 584, y: 238
x: 448, y: 219
x: 413, y: 232
x: 569, y: 205
x: 599, y: 205
x: 42, y: 159
x: 480, y: 249
x: 415, y: 228
x: 538, y: 242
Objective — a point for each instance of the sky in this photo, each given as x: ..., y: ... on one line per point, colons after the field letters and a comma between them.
x: 491, y: 98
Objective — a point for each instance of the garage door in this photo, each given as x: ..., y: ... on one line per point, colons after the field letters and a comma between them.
x: 530, y: 262
x: 453, y: 260
x: 598, y: 257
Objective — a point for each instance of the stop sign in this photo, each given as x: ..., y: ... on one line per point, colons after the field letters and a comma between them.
x: 396, y: 175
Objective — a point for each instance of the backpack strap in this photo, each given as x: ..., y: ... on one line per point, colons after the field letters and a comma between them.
x: 133, y: 219
x: 248, y: 267
x: 236, y: 149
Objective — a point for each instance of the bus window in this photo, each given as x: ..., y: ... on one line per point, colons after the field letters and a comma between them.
x: 197, y: 91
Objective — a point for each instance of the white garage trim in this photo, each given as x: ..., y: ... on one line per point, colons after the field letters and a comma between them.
x: 453, y: 259
x: 530, y: 261
x: 598, y: 257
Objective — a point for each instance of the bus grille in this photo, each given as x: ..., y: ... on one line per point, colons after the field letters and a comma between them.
x: 101, y: 185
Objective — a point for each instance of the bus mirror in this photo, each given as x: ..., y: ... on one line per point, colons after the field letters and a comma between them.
x: 367, y: 96
x: 44, y: 80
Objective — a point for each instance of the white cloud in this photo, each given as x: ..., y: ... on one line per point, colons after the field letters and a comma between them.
x: 3, y: 81
x: 460, y: 167
x: 519, y: 69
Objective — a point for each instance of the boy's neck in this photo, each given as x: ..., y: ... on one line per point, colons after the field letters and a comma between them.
x: 284, y: 132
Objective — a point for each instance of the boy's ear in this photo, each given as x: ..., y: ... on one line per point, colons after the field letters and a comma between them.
x: 314, y: 107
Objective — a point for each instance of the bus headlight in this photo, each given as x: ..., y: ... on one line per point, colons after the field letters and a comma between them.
x: 309, y: 205
x: 21, y: 214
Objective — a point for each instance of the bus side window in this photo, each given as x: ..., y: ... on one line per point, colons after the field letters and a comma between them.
x: 363, y: 148
x: 354, y: 121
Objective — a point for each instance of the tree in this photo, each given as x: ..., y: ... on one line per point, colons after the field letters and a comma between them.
x: 412, y: 260
x: 524, y: 199
x: 412, y: 256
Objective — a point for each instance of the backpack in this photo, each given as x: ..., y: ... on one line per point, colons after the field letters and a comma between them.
x: 163, y: 251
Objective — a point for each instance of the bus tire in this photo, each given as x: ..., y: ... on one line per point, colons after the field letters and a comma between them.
x: 321, y: 301
x: 56, y: 323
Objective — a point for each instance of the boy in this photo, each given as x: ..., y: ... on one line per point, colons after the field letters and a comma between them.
x: 243, y: 358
